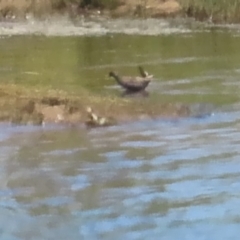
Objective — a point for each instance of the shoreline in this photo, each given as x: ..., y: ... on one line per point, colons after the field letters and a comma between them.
x: 59, y: 26
x: 112, y: 8
x: 63, y: 26
x: 190, y: 10
x: 21, y: 105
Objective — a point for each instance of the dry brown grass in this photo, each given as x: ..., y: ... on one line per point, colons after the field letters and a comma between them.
x: 39, y: 7
x: 215, y: 10
x: 42, y: 7
x: 21, y: 7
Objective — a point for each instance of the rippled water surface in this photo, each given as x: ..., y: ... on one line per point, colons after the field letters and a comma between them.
x: 159, y: 179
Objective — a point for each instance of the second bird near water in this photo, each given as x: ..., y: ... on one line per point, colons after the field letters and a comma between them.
x: 133, y: 84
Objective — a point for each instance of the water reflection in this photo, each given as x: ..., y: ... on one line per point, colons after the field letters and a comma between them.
x: 149, y: 179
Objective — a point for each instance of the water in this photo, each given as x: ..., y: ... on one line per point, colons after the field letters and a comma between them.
x: 157, y: 179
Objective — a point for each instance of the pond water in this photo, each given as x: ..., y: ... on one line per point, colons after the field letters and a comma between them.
x: 157, y: 179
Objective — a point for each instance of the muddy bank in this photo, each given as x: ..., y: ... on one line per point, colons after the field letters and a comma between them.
x: 37, y: 106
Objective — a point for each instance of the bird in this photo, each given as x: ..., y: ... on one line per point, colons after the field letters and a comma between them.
x: 144, y: 73
x: 133, y: 83
x: 96, y: 121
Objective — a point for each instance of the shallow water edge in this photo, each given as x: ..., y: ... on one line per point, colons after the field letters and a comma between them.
x: 63, y: 26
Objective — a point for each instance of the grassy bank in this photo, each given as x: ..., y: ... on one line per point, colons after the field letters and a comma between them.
x: 22, y: 105
x: 214, y: 10
x: 217, y: 11
x: 19, y: 8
